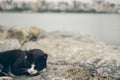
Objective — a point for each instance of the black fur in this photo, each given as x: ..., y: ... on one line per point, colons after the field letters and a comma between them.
x: 18, y: 61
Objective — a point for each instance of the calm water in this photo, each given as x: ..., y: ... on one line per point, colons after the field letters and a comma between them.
x: 103, y: 27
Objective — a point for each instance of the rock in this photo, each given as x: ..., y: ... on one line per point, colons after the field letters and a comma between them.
x: 60, y: 48
x: 71, y: 56
x: 67, y: 35
x: 17, y: 33
x: 3, y: 31
x: 34, y: 32
x: 4, y: 28
x: 78, y: 73
x: 13, y: 33
x: 104, y: 58
x: 107, y: 63
x: 9, y: 44
x: 23, y: 34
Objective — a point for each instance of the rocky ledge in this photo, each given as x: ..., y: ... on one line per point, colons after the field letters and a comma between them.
x: 72, y: 56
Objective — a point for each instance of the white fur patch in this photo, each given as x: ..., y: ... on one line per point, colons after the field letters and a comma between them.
x: 32, y: 70
x: 25, y: 56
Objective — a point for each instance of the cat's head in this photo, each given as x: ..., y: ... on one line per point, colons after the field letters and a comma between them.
x: 36, y: 60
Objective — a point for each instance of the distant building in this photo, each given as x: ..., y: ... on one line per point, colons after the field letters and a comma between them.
x: 30, y: 5
x: 117, y: 8
x: 108, y: 7
x: 98, y: 5
x: 5, y: 5
x: 82, y: 6
x: 86, y: 7
x: 19, y: 4
x: 44, y: 5
x: 75, y: 4
x: 63, y: 5
x: 34, y: 7
x: 98, y: 1
x: 10, y: 1
x: 7, y: 1
x: 41, y: 4
x: 51, y: 6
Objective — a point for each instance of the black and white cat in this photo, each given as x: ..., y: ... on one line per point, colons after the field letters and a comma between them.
x: 21, y: 62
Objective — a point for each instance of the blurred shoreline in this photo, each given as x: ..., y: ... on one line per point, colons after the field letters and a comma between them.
x: 97, y: 6
x: 103, y: 27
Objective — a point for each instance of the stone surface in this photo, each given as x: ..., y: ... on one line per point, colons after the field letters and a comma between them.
x: 9, y: 44
x: 17, y: 33
x: 23, y: 34
x: 71, y: 56
x: 3, y: 31
x: 66, y: 35
x: 34, y: 32
x: 97, y: 57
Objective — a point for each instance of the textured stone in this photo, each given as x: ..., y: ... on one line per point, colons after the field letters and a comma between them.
x: 105, y: 59
x: 3, y: 31
x: 23, y: 34
x: 17, y: 33
x: 9, y: 44
x: 67, y: 36
x: 71, y: 56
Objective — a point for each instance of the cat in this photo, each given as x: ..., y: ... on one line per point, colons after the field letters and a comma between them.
x: 20, y: 62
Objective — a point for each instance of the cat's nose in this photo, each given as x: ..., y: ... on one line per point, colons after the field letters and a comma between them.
x: 31, y: 72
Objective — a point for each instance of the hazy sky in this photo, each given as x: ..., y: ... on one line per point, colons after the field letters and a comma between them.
x: 88, y: 1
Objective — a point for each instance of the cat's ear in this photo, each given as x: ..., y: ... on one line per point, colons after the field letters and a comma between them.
x: 45, y: 56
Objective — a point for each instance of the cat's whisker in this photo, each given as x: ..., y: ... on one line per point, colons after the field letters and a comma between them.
x: 23, y: 70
